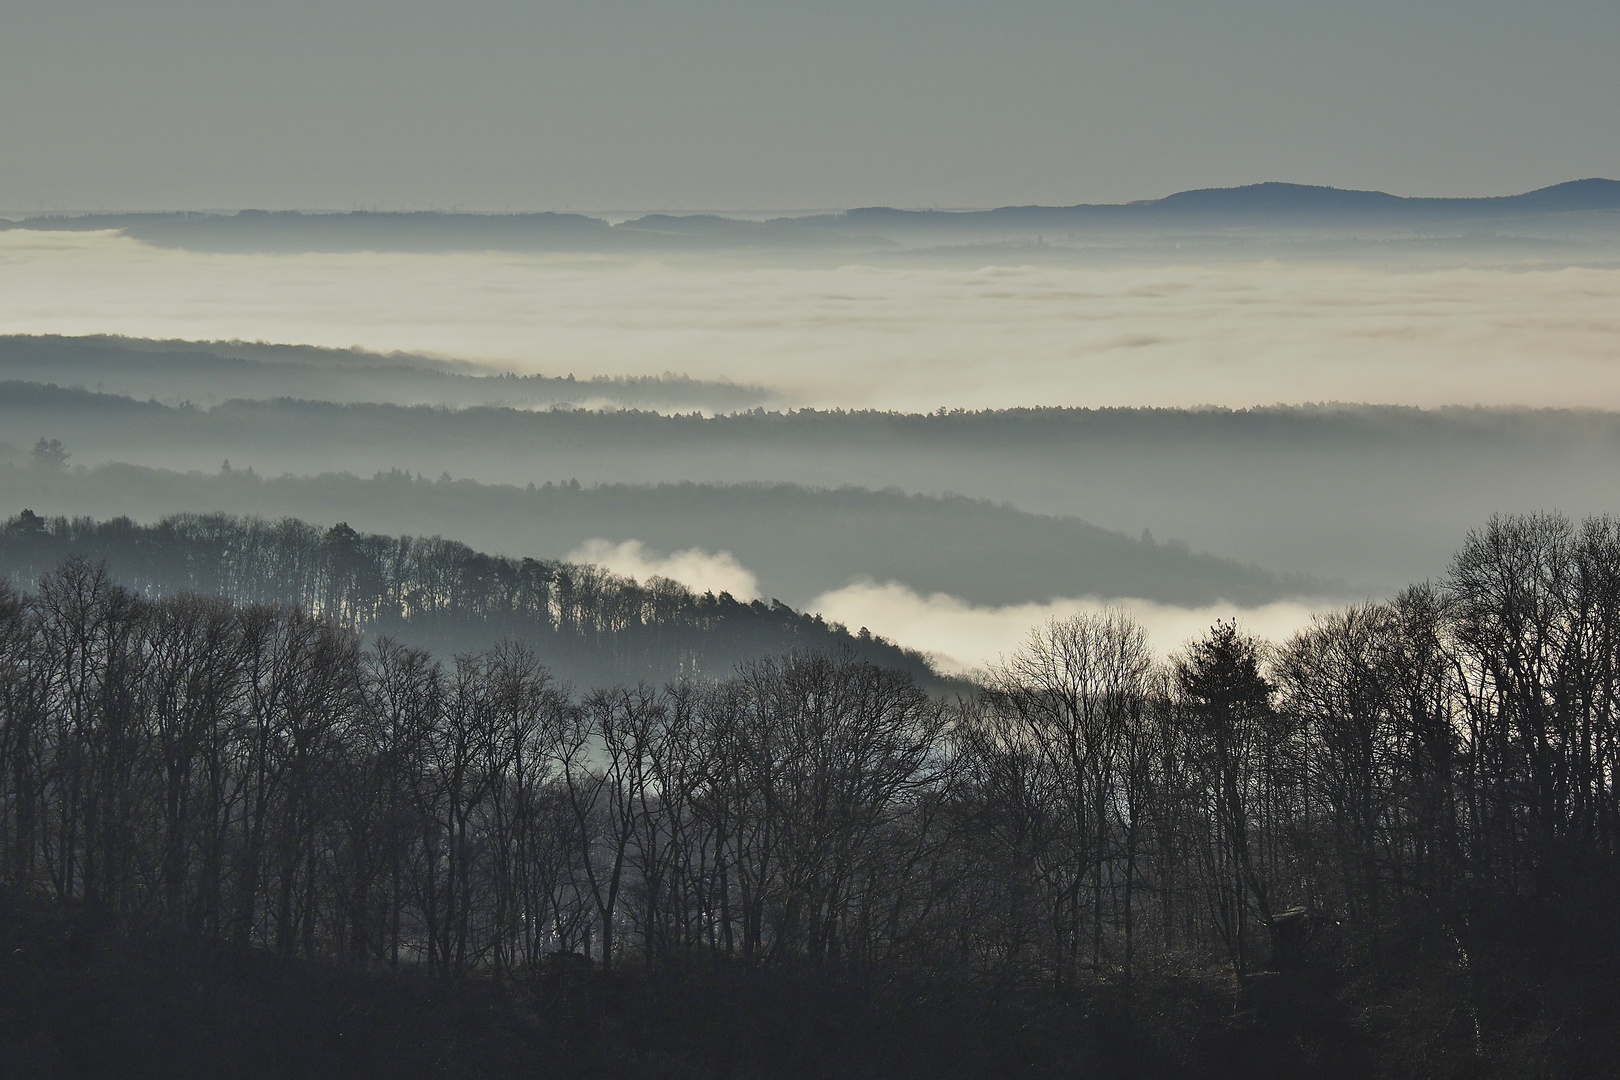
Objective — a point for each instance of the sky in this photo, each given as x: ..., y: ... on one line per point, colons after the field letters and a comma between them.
x: 764, y: 104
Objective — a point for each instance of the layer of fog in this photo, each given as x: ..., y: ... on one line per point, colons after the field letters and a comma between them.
x: 908, y: 335
x: 960, y: 638
x: 699, y: 570
x: 1373, y: 510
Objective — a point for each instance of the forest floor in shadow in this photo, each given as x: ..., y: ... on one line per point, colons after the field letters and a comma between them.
x: 84, y: 994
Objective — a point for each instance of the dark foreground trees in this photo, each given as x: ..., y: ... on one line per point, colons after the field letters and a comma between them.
x: 1417, y: 796
x: 255, y: 773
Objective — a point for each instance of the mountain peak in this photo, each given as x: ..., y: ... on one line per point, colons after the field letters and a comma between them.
x: 1593, y: 193
x: 1274, y: 195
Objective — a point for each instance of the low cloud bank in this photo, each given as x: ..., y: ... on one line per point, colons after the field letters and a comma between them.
x: 1416, y: 324
x: 962, y: 637
x: 697, y: 569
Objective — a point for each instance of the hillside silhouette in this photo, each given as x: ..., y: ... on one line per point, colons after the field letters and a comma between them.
x: 588, y: 626
x: 800, y: 541
x: 1274, y: 202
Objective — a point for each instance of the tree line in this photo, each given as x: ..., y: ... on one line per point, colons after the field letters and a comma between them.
x: 1398, y: 772
x: 592, y: 626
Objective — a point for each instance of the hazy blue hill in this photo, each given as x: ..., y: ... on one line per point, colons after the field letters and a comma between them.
x: 697, y: 225
x: 1590, y: 194
x: 212, y: 372
x: 1274, y: 197
x: 360, y: 230
x: 1303, y: 199
x: 291, y: 231
x: 1286, y: 205
x: 96, y: 221
x: 281, y: 428
x: 800, y: 541
x: 278, y: 231
x: 1281, y: 205
x: 714, y: 230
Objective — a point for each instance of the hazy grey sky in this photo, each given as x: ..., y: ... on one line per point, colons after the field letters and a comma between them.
x: 599, y: 104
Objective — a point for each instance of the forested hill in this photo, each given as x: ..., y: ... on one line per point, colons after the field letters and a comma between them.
x: 801, y: 542
x: 588, y: 626
x: 1377, y: 495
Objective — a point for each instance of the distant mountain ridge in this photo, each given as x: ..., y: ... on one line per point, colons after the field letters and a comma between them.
x: 1590, y: 194
x: 1273, y: 202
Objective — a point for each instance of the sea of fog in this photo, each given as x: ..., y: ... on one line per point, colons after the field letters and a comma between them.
x: 915, y: 333
x: 909, y: 333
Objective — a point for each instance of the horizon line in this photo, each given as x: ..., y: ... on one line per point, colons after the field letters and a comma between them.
x: 614, y: 216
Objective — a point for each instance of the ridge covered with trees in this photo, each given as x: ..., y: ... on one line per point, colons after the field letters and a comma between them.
x: 589, y: 625
x: 1392, y: 838
x: 802, y: 542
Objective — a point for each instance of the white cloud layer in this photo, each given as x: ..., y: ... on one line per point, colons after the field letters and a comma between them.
x: 962, y: 637
x: 908, y: 334
x: 699, y: 570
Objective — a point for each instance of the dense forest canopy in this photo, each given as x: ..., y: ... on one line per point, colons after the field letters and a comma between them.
x: 1420, y: 794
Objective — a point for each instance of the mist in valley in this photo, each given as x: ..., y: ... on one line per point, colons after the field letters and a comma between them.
x: 1234, y: 320
x: 1025, y: 388
x: 754, y: 541
x: 1367, y: 496
x: 763, y: 541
